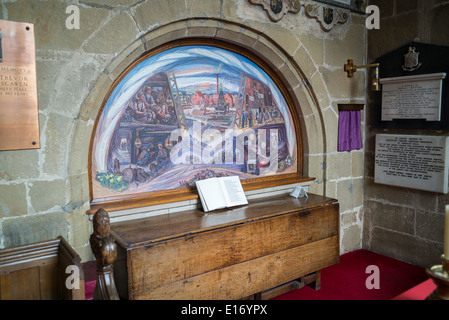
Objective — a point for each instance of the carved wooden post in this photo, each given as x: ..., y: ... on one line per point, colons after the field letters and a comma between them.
x: 105, y: 251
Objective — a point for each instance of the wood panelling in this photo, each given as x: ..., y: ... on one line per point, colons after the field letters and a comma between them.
x: 37, y: 271
x: 196, y: 254
x: 257, y: 275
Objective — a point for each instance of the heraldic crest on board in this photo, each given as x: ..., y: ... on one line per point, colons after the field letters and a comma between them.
x: 411, y: 60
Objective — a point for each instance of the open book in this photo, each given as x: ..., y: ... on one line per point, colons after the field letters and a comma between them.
x: 219, y: 193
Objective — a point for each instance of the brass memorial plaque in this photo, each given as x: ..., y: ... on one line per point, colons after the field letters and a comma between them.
x: 19, y: 115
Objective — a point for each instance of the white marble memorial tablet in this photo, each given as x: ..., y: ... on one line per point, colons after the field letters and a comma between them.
x: 412, y: 161
x: 412, y: 97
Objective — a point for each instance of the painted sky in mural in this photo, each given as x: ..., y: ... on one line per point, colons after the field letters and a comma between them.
x: 188, y: 113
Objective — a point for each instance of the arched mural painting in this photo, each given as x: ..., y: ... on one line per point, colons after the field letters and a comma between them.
x: 191, y: 112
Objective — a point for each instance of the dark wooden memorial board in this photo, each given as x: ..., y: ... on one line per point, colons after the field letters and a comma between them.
x: 432, y: 60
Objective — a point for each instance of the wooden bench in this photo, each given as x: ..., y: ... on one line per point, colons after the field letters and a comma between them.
x: 37, y: 271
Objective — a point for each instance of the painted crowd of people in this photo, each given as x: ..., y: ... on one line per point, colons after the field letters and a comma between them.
x: 151, y: 107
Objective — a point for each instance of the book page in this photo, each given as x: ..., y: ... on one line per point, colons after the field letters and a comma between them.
x: 211, y: 194
x: 234, y: 193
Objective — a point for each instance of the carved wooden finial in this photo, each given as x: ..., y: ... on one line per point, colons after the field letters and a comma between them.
x: 105, y: 252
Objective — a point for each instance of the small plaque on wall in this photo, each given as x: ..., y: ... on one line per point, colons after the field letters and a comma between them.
x: 412, y: 161
x: 412, y: 97
x: 19, y: 116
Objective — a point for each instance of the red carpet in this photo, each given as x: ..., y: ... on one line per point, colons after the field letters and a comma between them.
x: 346, y: 280
x: 90, y: 278
x: 343, y: 281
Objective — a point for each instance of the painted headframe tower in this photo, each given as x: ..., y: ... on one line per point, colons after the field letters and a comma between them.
x: 189, y: 113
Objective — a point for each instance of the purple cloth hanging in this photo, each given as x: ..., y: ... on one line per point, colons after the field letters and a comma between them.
x: 349, y: 131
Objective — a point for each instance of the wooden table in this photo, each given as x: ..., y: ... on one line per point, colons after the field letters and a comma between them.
x: 227, y: 254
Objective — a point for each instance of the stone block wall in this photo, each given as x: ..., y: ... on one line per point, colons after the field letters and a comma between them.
x: 403, y: 223
x: 45, y: 193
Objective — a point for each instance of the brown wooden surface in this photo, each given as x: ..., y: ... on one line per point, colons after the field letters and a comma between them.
x: 250, y: 277
x: 37, y: 271
x: 193, y: 255
x: 168, y: 226
x: 350, y: 107
x: 227, y: 246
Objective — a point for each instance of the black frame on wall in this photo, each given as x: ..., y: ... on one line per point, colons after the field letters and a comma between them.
x: 434, y: 59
